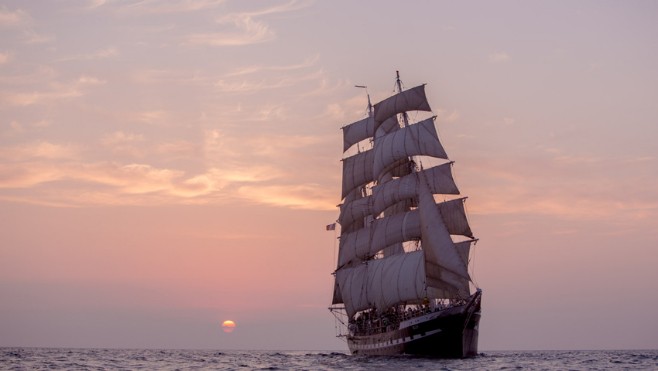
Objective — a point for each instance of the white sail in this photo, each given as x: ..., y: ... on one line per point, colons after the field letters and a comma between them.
x: 364, y: 129
x: 384, y: 195
x: 413, y: 140
x: 464, y: 249
x: 444, y: 267
x: 364, y: 243
x: 353, y: 197
x: 355, y: 210
x: 358, y: 131
x: 440, y: 181
x: 357, y: 171
x: 382, y: 283
x: 453, y: 215
x: 413, y: 99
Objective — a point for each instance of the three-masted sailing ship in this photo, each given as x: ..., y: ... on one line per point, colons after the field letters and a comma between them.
x: 402, y: 283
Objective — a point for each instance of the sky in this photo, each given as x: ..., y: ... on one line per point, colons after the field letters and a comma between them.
x: 166, y: 165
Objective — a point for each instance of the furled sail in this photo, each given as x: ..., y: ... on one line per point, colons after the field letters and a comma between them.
x: 382, y: 283
x: 413, y: 140
x: 413, y: 99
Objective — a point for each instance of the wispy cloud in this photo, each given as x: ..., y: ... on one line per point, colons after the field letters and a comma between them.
x: 108, y: 52
x: 4, y: 58
x: 124, y: 143
x: 149, y: 117
x: 266, y: 83
x: 499, y: 57
x: 553, y: 186
x: 59, y: 175
x: 243, y: 28
x: 38, y: 149
x: 13, y: 18
x: 444, y: 116
x: 159, y: 76
x: 248, y: 70
x: 55, y: 92
x: 139, y: 7
x: 33, y: 37
x: 297, y: 196
x: 260, y: 77
x: 247, y: 31
x: 117, y: 181
x: 21, y: 22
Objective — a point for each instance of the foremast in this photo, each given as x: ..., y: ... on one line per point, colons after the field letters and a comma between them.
x: 389, y: 208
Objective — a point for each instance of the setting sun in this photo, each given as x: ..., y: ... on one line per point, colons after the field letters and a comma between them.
x: 228, y: 326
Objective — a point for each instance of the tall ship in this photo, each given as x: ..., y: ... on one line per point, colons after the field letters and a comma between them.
x: 402, y: 282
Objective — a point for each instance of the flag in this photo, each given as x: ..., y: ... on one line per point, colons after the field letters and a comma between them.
x: 331, y: 227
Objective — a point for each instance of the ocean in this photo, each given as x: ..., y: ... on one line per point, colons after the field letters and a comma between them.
x: 139, y: 359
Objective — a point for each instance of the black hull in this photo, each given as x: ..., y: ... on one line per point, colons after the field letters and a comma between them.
x: 449, y: 333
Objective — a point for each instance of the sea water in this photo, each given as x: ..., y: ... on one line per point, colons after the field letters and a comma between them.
x: 136, y: 359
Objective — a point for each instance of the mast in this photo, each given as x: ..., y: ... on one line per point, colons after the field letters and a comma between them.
x: 398, y: 83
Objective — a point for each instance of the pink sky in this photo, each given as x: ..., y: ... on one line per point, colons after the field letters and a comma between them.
x: 168, y: 165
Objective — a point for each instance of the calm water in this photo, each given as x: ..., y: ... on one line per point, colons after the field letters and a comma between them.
x: 127, y: 359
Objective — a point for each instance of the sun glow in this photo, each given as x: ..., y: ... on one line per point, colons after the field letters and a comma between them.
x: 228, y: 326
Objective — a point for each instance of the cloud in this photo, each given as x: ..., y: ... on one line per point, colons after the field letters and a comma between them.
x: 258, y: 78
x: 139, y: 7
x: 498, y: 57
x: 248, y: 70
x: 20, y: 21
x: 33, y: 37
x: 258, y: 169
x: 4, y: 58
x: 40, y: 75
x: 31, y: 163
x: 13, y: 18
x: 297, y: 196
x: 90, y: 80
x: 149, y: 117
x: 127, y: 184
x: 105, y: 53
x: 159, y: 76
x: 56, y: 91
x: 444, y: 116
x: 39, y: 149
x: 245, y: 86
x: 116, y: 179
x: 55, y: 174
x: 247, y: 31
x: 121, y: 138
x: 552, y: 185
x: 243, y: 28
x: 124, y: 143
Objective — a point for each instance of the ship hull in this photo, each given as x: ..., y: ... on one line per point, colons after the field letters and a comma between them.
x: 449, y: 333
